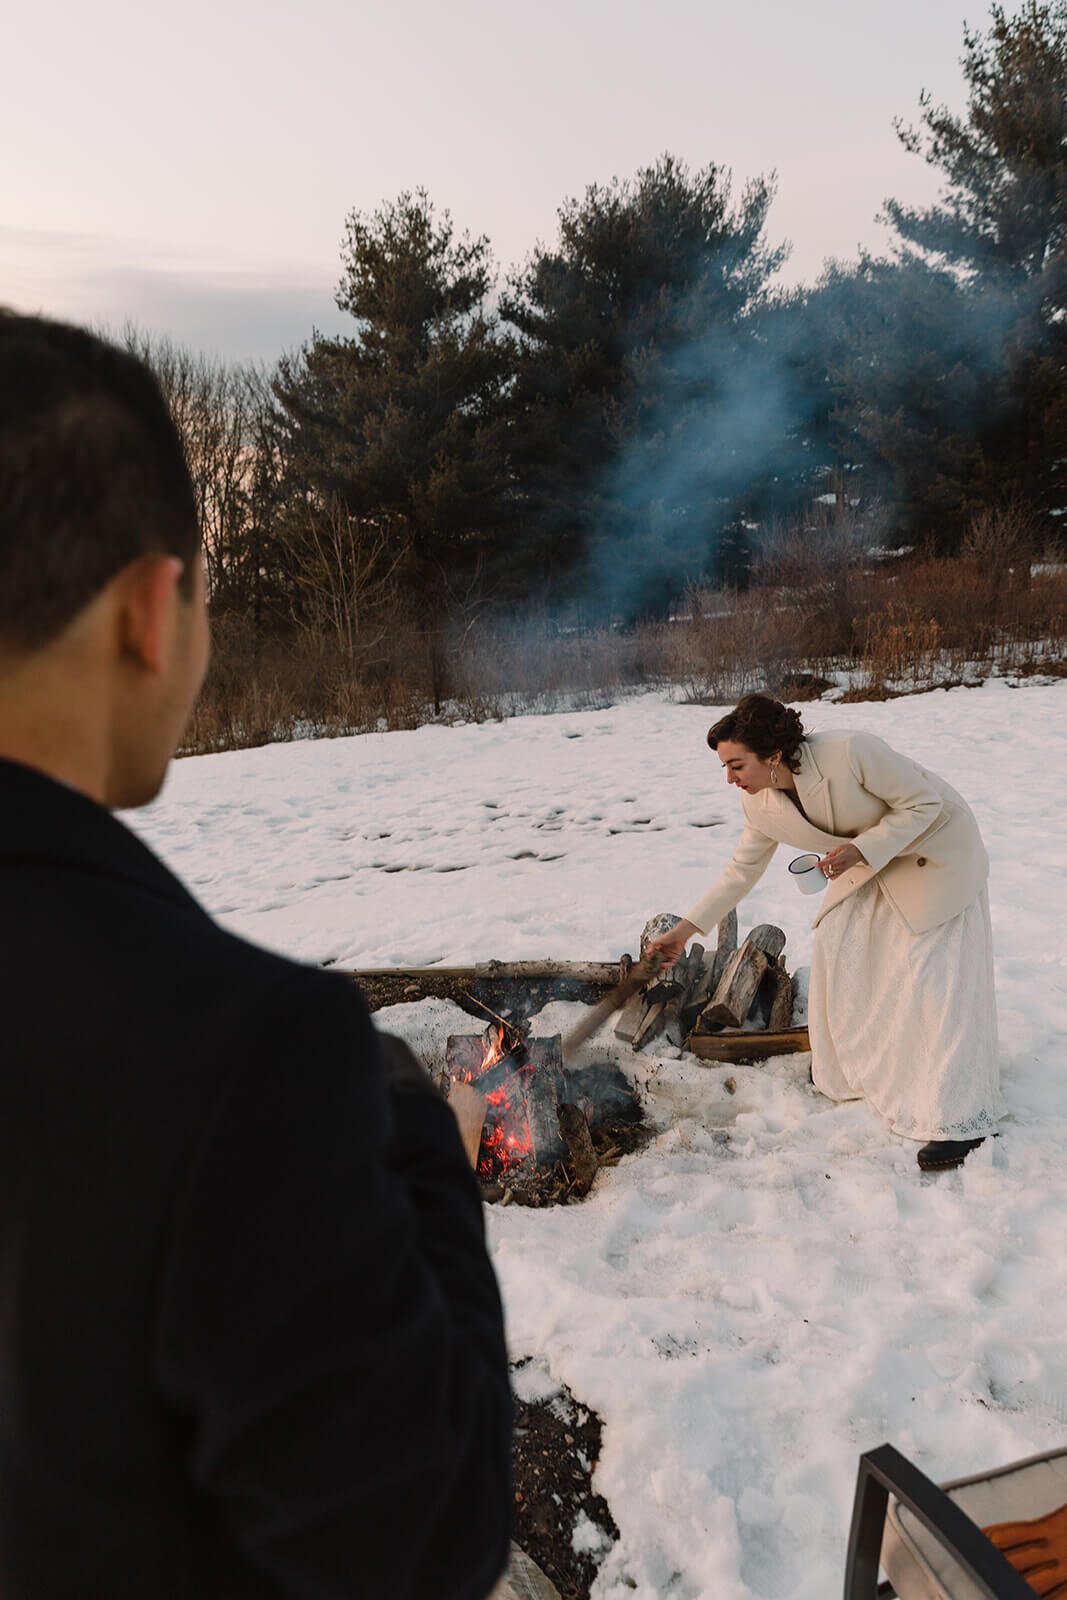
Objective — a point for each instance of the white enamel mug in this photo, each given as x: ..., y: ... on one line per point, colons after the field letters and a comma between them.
x: 807, y: 874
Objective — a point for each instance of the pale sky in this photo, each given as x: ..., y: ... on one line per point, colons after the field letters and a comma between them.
x: 190, y: 167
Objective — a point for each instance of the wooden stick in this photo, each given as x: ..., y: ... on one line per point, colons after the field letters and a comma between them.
x: 644, y: 972
x: 490, y: 1012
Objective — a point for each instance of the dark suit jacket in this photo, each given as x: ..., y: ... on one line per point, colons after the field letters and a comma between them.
x: 250, y: 1340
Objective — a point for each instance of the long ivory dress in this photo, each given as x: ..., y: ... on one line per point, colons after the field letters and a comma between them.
x: 907, y: 1021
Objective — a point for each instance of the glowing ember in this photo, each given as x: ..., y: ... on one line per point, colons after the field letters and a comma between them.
x: 506, y: 1140
x: 522, y: 1083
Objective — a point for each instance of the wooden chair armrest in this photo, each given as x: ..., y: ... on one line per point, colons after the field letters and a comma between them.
x: 884, y: 1472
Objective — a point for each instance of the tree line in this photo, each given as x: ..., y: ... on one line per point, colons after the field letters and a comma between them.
x: 638, y: 407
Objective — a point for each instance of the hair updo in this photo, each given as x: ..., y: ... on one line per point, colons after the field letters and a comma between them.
x: 763, y: 726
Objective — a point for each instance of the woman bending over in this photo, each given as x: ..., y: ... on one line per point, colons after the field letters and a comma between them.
x: 901, y: 1010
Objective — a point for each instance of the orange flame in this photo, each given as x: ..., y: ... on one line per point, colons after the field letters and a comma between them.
x: 506, y: 1139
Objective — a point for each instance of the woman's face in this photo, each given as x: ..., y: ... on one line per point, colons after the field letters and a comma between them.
x: 744, y: 768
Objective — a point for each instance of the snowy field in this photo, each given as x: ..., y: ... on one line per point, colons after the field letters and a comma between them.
x: 770, y: 1287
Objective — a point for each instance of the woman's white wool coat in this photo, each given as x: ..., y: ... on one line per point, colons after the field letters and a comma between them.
x: 917, y: 835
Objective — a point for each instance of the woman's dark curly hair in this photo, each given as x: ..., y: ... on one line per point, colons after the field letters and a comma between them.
x: 763, y: 726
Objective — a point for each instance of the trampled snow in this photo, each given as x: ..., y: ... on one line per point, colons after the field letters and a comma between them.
x: 771, y: 1286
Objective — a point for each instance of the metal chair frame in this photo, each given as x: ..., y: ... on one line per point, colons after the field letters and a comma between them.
x: 884, y: 1472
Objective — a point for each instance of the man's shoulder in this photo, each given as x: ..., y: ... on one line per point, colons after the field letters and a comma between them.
x: 79, y: 882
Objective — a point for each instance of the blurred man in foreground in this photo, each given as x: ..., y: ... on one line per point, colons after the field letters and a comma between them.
x: 250, y: 1339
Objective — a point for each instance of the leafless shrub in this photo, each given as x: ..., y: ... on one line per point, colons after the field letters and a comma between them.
x: 915, y: 623
x: 1002, y: 541
x: 344, y: 575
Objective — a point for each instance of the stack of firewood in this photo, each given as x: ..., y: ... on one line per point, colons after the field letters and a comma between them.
x: 730, y: 1004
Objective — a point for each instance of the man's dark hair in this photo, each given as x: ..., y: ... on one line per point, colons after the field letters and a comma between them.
x: 92, y: 475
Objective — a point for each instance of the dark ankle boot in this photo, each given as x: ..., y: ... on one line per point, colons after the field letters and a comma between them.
x: 940, y: 1154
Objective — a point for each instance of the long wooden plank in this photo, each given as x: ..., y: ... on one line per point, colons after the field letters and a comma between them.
x: 748, y: 1046
x: 586, y: 971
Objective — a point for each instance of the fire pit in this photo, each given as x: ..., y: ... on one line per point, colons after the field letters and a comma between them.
x: 547, y: 1130
x: 523, y: 1081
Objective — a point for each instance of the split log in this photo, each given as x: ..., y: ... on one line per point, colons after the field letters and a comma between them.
x: 724, y: 949
x: 651, y: 1024
x: 673, y: 1026
x: 781, y: 1017
x: 676, y: 1024
x: 705, y: 982
x: 544, y: 1090
x: 769, y: 939
x: 464, y: 1054
x: 743, y: 975
x: 737, y: 986
x: 575, y: 1130
x: 630, y: 1018
x: 754, y: 1046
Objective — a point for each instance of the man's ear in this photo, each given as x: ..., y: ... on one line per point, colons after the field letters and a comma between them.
x: 147, y: 601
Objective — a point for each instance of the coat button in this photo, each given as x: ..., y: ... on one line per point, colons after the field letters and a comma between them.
x: 920, y: 861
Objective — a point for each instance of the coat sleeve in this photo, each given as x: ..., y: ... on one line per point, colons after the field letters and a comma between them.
x: 901, y: 784
x: 750, y: 861
x: 328, y: 1322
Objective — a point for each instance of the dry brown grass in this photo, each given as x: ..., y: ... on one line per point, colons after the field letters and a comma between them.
x: 891, y: 627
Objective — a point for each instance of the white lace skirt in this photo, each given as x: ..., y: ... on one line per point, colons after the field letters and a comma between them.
x: 907, y: 1021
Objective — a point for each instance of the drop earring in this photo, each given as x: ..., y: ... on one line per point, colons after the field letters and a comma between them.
x: 774, y: 773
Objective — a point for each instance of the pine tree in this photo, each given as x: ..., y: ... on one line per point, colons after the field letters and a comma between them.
x: 990, y: 395
x: 631, y: 432
x: 403, y: 421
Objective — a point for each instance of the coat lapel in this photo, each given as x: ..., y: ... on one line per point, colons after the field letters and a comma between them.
x: 811, y: 829
x: 813, y: 791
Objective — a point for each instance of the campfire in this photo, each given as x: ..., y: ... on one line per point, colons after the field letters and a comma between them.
x: 522, y: 1080
x: 549, y: 1126
x: 543, y: 1123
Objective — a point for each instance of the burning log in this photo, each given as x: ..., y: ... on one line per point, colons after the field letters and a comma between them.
x: 575, y: 1130
x: 544, y: 1091
x: 522, y: 1081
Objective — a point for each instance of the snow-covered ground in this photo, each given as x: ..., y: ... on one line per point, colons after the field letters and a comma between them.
x: 770, y: 1287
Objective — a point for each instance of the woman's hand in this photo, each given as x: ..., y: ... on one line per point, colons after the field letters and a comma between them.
x: 839, y: 860
x: 673, y: 943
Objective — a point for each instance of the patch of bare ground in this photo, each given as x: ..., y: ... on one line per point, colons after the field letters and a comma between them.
x: 557, y: 1511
